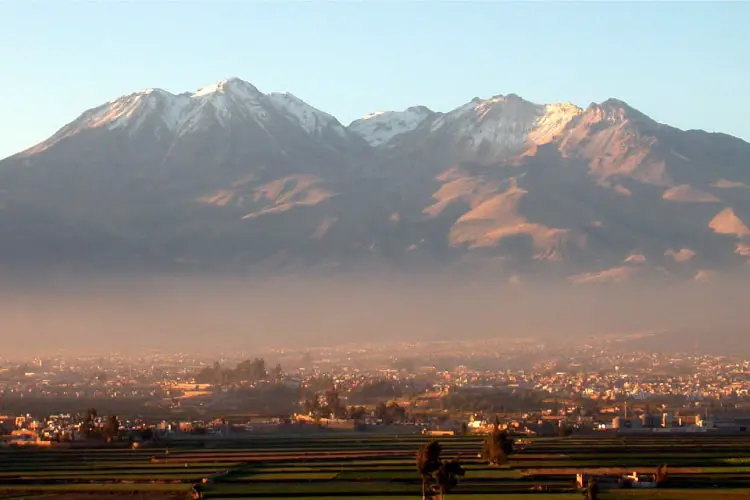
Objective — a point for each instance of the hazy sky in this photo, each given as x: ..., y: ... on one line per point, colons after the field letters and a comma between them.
x: 681, y: 63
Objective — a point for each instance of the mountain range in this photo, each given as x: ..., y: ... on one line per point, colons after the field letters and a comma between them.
x: 228, y: 178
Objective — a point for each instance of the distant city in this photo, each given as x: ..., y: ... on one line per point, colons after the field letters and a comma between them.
x: 444, y: 388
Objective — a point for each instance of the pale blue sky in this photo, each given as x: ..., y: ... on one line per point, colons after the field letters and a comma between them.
x: 687, y: 64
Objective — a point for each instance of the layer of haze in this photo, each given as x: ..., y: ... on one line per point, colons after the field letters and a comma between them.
x: 214, y: 315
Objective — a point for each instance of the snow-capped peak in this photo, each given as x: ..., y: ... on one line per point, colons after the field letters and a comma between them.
x: 312, y: 120
x: 117, y: 112
x: 505, y: 124
x: 145, y: 92
x: 552, y: 121
x: 616, y: 111
x: 381, y: 127
x: 128, y: 111
x: 177, y: 113
x: 373, y: 115
x: 222, y: 102
x: 232, y: 85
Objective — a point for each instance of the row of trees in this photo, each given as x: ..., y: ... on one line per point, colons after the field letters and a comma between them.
x: 246, y: 371
x: 391, y: 412
x: 109, y: 431
x: 440, y: 476
x: 329, y: 405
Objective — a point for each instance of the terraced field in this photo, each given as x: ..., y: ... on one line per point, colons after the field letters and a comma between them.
x: 357, y: 466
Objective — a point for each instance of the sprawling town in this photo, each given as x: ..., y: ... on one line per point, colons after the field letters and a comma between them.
x: 531, y: 388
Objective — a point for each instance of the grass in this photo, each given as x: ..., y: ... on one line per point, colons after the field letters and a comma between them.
x: 452, y: 496
x: 96, y: 488
x: 677, y: 494
x: 379, y: 467
x: 289, y: 476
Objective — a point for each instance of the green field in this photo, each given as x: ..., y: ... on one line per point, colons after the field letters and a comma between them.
x: 700, y: 467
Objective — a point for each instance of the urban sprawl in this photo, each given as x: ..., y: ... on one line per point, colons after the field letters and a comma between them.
x: 452, y: 388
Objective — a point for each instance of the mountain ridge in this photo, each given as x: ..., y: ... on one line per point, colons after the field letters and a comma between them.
x: 230, y: 176
x: 235, y: 82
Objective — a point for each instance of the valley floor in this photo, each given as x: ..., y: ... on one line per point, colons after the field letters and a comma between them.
x: 369, y: 466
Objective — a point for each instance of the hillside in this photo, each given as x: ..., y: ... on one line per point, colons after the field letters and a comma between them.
x: 230, y: 178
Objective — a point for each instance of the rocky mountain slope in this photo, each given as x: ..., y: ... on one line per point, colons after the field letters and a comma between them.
x: 230, y: 178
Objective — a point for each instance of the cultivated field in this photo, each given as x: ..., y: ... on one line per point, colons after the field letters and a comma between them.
x: 365, y: 465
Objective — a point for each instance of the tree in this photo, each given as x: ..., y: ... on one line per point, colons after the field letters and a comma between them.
x: 209, y: 374
x: 497, y: 446
x: 661, y: 474
x: 389, y: 413
x: 395, y: 412
x: 380, y: 411
x: 379, y: 389
x: 312, y: 406
x: 447, y: 476
x: 507, y: 443
x: 428, y: 463
x: 196, y: 491
x: 112, y: 428
x: 493, y: 449
x: 88, y: 426
x: 592, y: 490
x: 564, y: 430
x: 333, y: 403
x: 250, y: 370
x: 216, y: 372
x: 357, y: 413
x: 444, y: 474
